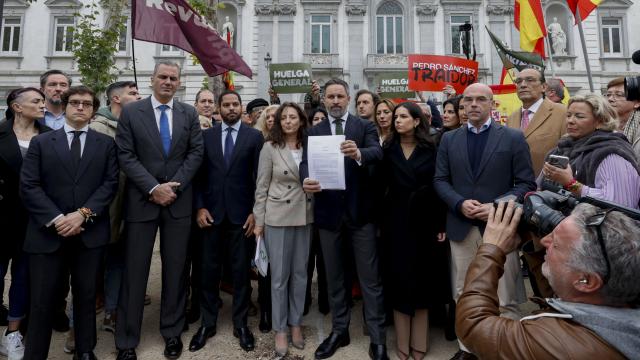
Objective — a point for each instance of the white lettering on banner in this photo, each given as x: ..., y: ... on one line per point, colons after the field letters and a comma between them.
x: 290, y: 73
x: 184, y: 14
x: 291, y: 82
x: 389, y: 82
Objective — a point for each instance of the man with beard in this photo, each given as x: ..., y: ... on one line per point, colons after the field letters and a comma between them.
x: 365, y: 103
x: 344, y: 218
x: 224, y: 198
x: 53, y: 83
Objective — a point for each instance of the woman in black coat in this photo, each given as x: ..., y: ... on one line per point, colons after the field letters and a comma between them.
x: 415, y: 224
x: 26, y: 106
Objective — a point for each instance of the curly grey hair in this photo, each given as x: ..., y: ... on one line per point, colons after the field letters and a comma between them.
x: 621, y: 236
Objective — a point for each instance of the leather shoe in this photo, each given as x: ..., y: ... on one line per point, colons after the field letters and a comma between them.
x: 172, y: 348
x: 378, y: 352
x: 84, y: 356
x: 463, y: 355
x: 199, y: 339
x: 247, y: 343
x: 265, y: 322
x: 127, y: 354
x: 331, y: 344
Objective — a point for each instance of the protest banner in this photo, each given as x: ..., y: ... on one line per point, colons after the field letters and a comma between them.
x: 394, y: 85
x: 290, y: 78
x: 433, y: 72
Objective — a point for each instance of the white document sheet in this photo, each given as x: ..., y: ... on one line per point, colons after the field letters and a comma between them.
x: 326, y: 162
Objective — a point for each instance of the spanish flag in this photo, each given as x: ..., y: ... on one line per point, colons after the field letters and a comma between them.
x: 530, y: 22
x: 585, y: 6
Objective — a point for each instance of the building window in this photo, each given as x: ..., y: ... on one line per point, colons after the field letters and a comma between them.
x: 64, y: 35
x: 170, y: 50
x: 11, y: 35
x: 389, y: 29
x: 456, y: 38
x: 611, y: 36
x: 122, y: 40
x: 320, y: 34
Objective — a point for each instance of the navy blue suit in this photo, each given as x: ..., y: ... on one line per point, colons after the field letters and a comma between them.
x: 51, y: 186
x: 344, y: 218
x: 505, y: 168
x: 227, y: 192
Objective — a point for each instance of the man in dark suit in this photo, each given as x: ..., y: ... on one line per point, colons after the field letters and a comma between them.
x: 225, y: 194
x: 160, y: 150
x: 68, y: 180
x: 344, y: 216
x: 477, y: 164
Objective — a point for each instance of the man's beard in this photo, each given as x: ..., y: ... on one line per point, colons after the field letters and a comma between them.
x: 547, y: 274
x: 55, y: 102
x: 230, y: 121
x: 337, y: 113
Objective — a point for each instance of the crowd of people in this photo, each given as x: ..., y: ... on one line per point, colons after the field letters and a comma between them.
x: 85, y: 190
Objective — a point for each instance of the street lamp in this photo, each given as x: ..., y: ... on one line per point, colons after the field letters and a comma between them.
x: 267, y: 60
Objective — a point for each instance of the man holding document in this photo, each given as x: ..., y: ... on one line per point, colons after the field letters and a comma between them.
x: 343, y: 202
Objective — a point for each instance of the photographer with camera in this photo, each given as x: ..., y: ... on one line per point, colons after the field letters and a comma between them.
x: 592, y: 262
x: 601, y: 162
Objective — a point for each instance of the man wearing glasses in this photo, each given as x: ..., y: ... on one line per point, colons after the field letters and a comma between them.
x: 68, y: 180
x: 477, y: 164
x: 592, y: 263
x: 627, y: 111
x: 541, y: 120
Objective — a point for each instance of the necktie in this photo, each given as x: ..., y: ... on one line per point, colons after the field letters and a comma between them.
x: 165, y: 134
x: 75, y: 148
x: 228, y: 146
x: 339, y: 129
x: 525, y: 120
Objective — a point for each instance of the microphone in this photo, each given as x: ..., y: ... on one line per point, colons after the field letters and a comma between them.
x: 636, y: 57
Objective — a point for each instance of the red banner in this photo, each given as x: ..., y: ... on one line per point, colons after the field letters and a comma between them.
x: 174, y: 22
x: 433, y: 72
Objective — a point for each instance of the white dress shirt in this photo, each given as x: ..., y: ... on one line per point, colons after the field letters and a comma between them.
x: 234, y: 132
x: 83, y: 137
x: 344, y: 123
x: 155, y: 103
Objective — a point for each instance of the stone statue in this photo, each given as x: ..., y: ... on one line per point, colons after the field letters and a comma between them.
x: 227, y: 31
x: 557, y: 37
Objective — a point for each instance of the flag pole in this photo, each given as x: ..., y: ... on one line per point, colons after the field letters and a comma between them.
x: 133, y: 44
x: 584, y: 48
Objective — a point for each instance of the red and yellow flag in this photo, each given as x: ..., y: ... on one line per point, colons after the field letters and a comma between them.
x: 585, y: 6
x: 530, y: 22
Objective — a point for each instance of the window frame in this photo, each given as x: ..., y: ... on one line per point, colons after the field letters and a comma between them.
x: 321, y: 25
x: 453, y: 29
x: 56, y: 19
x: 171, y: 51
x: 394, y: 31
x: 12, y: 36
x: 610, y: 38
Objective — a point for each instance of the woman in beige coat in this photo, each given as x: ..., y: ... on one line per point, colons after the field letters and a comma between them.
x: 283, y: 214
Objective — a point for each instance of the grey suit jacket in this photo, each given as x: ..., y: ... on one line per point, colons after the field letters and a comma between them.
x: 505, y: 168
x: 142, y: 158
x: 280, y: 200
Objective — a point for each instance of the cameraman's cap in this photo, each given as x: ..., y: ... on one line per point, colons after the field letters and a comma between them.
x: 255, y: 104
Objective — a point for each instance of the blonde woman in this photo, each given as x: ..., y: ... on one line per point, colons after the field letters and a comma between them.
x: 266, y: 120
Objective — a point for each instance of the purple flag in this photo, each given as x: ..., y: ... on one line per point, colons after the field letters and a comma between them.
x: 174, y: 22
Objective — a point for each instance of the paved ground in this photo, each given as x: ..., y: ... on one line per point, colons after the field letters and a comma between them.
x: 225, y: 346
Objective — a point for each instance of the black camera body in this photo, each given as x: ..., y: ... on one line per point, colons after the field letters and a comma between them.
x: 544, y: 210
x: 632, y: 83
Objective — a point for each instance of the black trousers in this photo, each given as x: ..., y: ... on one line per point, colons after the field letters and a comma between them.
x: 45, y: 279
x: 194, y: 264
x: 225, y: 240
x: 140, y: 238
x: 316, y: 261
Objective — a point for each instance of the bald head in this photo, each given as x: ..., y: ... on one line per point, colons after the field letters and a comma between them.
x: 477, y: 100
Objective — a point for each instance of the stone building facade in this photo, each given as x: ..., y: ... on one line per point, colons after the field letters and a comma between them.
x: 352, y: 39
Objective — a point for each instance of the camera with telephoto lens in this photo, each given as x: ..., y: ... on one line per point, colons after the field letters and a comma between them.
x: 632, y: 83
x: 544, y: 210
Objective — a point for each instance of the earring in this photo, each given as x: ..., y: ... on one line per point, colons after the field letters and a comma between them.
x: 583, y: 281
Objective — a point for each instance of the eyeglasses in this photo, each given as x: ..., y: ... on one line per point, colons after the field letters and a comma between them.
x: 615, y: 95
x: 528, y: 80
x: 596, y: 221
x: 77, y: 103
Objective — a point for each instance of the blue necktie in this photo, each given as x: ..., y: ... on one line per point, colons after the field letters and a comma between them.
x: 165, y: 134
x: 228, y: 146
